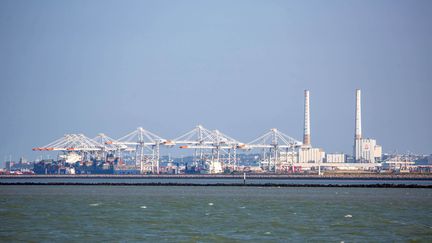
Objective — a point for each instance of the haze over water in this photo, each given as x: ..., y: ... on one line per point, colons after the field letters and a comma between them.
x: 214, y: 214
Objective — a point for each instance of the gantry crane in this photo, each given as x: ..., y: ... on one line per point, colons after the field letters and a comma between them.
x: 208, y: 146
x: 77, y: 143
x: 272, y: 143
x: 146, y: 146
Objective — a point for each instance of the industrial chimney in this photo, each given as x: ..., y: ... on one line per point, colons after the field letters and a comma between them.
x: 366, y: 150
x: 306, y: 134
x: 358, y: 130
x: 358, y: 133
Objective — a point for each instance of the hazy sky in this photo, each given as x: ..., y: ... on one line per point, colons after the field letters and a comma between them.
x: 237, y: 66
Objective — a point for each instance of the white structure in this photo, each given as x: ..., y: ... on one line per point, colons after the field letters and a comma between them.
x: 215, y: 167
x: 365, y: 149
x: 378, y: 152
x: 336, y: 158
x: 357, y: 135
x: 358, y: 126
x: 310, y: 155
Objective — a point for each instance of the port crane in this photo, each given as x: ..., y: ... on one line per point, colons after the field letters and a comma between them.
x: 272, y: 143
x: 73, y: 143
x: 146, y: 146
x: 209, y: 146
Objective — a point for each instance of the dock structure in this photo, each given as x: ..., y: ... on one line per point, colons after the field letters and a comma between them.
x: 216, y: 152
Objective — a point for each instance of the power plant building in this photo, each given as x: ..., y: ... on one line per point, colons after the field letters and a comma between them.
x: 310, y: 155
x: 366, y: 150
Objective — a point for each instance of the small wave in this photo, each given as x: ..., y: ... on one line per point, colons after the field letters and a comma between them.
x: 143, y: 207
x: 348, y: 216
x: 94, y: 204
x: 267, y: 233
x: 210, y: 204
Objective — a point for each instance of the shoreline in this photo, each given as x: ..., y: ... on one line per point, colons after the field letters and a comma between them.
x: 236, y: 176
x: 386, y: 185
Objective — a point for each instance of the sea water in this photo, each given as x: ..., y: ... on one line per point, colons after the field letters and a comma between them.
x: 214, y: 214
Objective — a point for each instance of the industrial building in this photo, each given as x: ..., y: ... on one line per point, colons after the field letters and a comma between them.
x: 310, y: 155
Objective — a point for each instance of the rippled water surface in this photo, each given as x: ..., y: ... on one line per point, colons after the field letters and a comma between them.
x: 215, y: 214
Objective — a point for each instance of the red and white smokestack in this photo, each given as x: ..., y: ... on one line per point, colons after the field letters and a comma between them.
x: 306, y: 134
x: 358, y: 129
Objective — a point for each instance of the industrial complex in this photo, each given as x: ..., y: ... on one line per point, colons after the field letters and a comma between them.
x: 213, y: 152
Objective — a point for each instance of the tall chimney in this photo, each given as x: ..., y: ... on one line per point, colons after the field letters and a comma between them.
x: 358, y: 132
x: 306, y: 134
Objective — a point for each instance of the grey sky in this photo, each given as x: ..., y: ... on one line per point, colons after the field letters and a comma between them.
x: 237, y: 66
